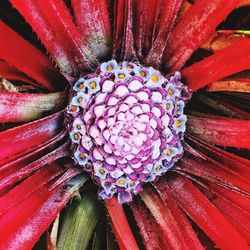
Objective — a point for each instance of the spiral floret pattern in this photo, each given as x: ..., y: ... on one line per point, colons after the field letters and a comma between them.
x: 126, y: 125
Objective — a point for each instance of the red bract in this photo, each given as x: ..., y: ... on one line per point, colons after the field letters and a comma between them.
x: 11, y: 73
x: 202, y: 202
x: 38, y: 66
x: 56, y: 30
x: 193, y: 28
x: 120, y: 225
x: 219, y: 65
x: 93, y: 22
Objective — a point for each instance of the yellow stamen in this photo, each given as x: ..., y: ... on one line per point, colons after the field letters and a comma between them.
x: 121, y: 181
x: 121, y: 76
x: 142, y: 73
x: 109, y: 68
x: 170, y: 91
x: 80, y: 99
x: 73, y: 107
x: 82, y: 156
x: 81, y: 86
x: 167, y: 106
x: 178, y: 107
x: 92, y: 85
x: 76, y: 136
x: 158, y: 167
x: 168, y: 152
x: 154, y: 78
x: 78, y: 126
x: 102, y: 171
x: 178, y: 123
x: 129, y: 67
x: 132, y: 183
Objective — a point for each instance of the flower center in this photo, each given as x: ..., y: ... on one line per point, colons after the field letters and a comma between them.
x: 126, y: 125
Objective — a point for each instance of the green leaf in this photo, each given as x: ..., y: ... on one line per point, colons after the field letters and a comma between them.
x: 244, y: 32
x: 79, y: 222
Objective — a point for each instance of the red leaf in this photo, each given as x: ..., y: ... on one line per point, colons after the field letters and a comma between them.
x: 146, y: 12
x: 128, y: 49
x: 221, y: 131
x: 123, y: 44
x: 240, y: 200
x: 205, y: 214
x: 23, y: 107
x: 25, y: 57
x: 94, y: 24
x: 21, y: 138
x: 30, y: 154
x: 215, y: 172
x: 231, y: 211
x: 118, y: 27
x: 233, y: 161
x: 26, y: 170
x: 176, y: 229
x: 14, y: 164
x: 53, y: 24
x: 223, y: 63
x: 179, y: 218
x: 24, y: 190
x: 11, y: 73
x: 150, y: 231
x: 120, y: 226
x: 170, y: 9
x: 194, y: 27
x: 33, y: 216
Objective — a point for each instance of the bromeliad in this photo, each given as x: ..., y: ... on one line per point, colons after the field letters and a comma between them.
x: 121, y: 75
x: 126, y: 125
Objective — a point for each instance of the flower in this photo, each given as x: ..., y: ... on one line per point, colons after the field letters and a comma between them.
x: 51, y: 115
x: 126, y: 119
